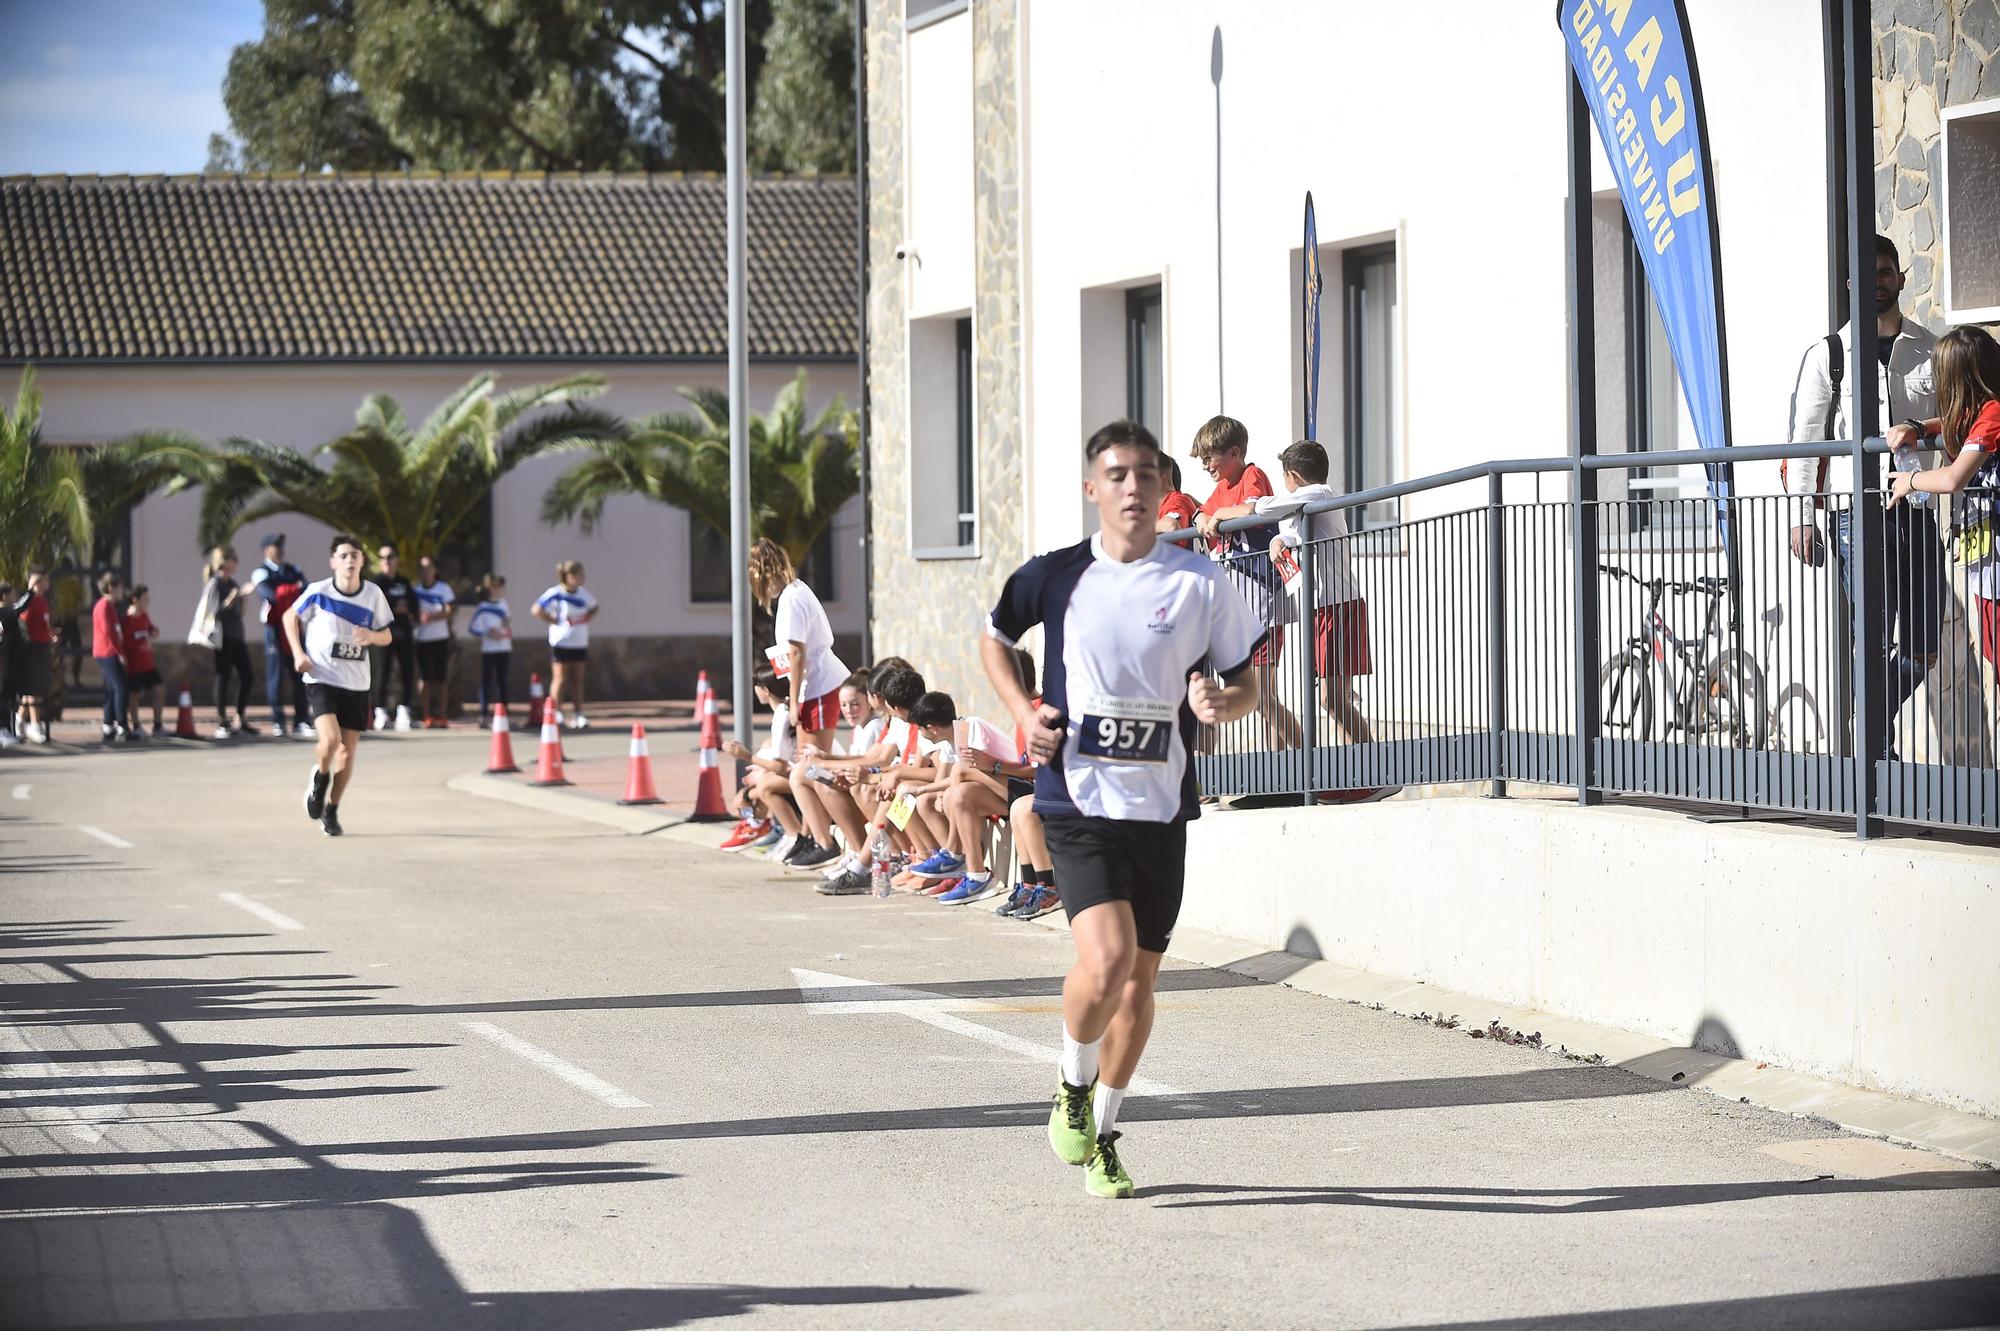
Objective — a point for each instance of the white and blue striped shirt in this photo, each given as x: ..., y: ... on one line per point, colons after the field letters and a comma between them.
x: 331, y: 622
x: 559, y: 603
x: 435, y: 599
x: 486, y: 617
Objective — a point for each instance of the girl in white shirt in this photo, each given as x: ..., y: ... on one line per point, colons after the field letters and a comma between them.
x: 567, y: 608
x: 804, y: 652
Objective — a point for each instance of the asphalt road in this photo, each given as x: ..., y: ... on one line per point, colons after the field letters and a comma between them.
x: 475, y: 1065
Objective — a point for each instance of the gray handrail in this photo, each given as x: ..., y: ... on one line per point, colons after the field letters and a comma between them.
x: 1686, y: 457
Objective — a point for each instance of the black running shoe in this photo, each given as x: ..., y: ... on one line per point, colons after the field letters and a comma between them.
x: 329, y: 822
x: 805, y: 845
x: 814, y: 857
x: 316, y: 794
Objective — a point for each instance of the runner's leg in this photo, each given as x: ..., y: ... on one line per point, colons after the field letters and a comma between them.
x: 346, y: 743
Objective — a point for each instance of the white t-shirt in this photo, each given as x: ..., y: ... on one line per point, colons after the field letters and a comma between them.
x: 1119, y: 641
x: 861, y: 739
x: 899, y: 733
x: 559, y: 603
x: 489, y: 615
x: 800, y: 618
x: 331, y: 624
x: 784, y: 745
x: 1333, y: 567
x: 435, y: 599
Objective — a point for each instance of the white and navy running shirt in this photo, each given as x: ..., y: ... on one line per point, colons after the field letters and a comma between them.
x: 559, y: 603
x: 1119, y: 641
x: 490, y: 615
x: 331, y: 622
x: 799, y: 617
x: 435, y: 599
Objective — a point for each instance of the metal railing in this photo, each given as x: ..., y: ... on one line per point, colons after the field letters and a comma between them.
x: 1616, y: 644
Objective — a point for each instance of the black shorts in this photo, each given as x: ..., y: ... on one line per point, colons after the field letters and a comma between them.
x: 570, y: 655
x: 33, y: 680
x: 1112, y: 859
x: 141, y: 680
x: 347, y: 706
x: 1016, y: 788
x: 434, y: 660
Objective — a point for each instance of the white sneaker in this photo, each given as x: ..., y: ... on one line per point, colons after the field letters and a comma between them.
x: 104, y: 730
x: 381, y: 718
x: 304, y: 729
x: 223, y: 732
x: 41, y: 733
x: 776, y: 853
x: 579, y: 722
x: 402, y: 718
x: 7, y: 740
x: 834, y: 871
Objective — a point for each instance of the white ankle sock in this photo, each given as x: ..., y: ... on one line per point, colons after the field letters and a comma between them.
x: 1079, y: 1060
x: 1105, y: 1107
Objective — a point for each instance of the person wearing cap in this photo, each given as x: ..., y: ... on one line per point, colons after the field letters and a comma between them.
x: 277, y: 583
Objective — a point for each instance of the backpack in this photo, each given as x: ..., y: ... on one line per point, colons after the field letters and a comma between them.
x: 1834, y: 370
x: 284, y: 594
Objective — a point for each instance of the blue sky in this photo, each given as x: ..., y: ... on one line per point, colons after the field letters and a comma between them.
x: 114, y: 86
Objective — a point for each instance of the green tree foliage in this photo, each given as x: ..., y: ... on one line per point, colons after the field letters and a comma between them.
x: 387, y: 482
x: 535, y: 85
x: 802, y: 470
x: 804, y: 116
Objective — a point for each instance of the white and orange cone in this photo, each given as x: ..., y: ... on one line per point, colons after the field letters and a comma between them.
x: 639, y: 773
x: 549, y: 768
x: 708, y: 803
x: 184, y: 715
x: 502, y: 759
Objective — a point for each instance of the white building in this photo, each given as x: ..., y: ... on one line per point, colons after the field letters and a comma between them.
x: 270, y: 307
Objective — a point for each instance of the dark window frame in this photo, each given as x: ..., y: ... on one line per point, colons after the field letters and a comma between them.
x: 1354, y: 264
x: 967, y: 454
x: 1139, y: 302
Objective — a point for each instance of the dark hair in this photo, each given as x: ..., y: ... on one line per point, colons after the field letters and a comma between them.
x: 1024, y: 667
x: 1119, y: 434
x: 1173, y: 469
x: 772, y: 683
x: 857, y: 681
x: 341, y: 538
x: 390, y: 546
x: 933, y: 709
x: 888, y: 661
x: 898, y: 687
x: 1884, y: 245
x: 1306, y: 460
x: 140, y: 591
x: 38, y: 570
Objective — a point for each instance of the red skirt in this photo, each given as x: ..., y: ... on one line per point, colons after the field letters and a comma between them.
x: 822, y: 713
x: 1340, y: 640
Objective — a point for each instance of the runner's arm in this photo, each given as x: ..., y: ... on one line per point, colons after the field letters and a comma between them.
x: 292, y: 636
x: 1040, y: 723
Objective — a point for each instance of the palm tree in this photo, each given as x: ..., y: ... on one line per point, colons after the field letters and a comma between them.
x: 118, y: 475
x: 415, y: 488
x: 801, y: 471
x: 44, y: 507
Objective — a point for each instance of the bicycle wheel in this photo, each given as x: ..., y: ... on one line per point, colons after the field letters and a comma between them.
x: 1796, y: 725
x: 1625, y: 697
x: 1731, y: 705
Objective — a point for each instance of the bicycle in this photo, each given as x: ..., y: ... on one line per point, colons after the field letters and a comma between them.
x: 1717, y: 693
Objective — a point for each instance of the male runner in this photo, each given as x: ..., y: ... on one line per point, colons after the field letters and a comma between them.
x: 330, y: 628
x: 1131, y: 631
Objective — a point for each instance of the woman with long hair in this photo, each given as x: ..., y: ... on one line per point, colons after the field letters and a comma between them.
x: 567, y: 608
x: 1966, y: 366
x: 804, y: 652
x: 232, y: 656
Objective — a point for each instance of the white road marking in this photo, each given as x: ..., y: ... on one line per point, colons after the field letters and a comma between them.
x: 104, y: 836
x: 548, y: 1062
x: 929, y: 1008
x: 261, y: 911
x: 21, y: 792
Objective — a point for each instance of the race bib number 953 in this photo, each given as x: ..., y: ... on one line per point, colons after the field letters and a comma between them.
x: 348, y: 650
x: 1127, y: 730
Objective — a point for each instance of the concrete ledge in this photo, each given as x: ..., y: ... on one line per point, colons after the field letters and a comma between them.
x: 633, y: 820
x: 1870, y: 964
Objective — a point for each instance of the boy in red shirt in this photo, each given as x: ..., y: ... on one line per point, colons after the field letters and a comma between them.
x: 1221, y: 445
x: 38, y: 665
x: 142, y: 674
x: 107, y: 645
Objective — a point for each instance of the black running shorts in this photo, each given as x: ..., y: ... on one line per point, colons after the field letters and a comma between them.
x: 1111, y: 859
x: 433, y: 660
x: 347, y: 706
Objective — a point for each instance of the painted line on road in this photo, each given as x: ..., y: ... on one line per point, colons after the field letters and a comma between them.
x: 21, y: 792
x: 263, y: 912
x: 930, y: 1008
x: 120, y: 842
x: 586, y: 1082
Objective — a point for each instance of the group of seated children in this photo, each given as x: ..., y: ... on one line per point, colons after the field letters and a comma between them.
x: 904, y: 803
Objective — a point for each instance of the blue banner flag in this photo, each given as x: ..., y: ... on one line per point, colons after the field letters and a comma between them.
x: 1310, y: 340
x: 1634, y: 61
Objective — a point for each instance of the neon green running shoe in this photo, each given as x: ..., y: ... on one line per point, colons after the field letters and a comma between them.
x: 1072, y: 1125
x: 1106, y: 1177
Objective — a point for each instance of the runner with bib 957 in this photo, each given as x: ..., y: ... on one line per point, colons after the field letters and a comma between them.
x: 330, y: 629
x: 1133, y: 631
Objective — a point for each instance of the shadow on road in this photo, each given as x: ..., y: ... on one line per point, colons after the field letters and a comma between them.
x: 1568, y: 1201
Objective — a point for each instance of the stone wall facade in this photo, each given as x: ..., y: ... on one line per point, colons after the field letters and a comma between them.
x: 932, y: 611
x: 1929, y: 54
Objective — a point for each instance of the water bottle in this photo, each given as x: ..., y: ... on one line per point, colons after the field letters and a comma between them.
x: 878, y: 874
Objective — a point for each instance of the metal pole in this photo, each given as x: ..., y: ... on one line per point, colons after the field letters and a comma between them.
x: 1583, y: 444
x: 1832, y: 57
x: 861, y: 326
x: 1496, y: 636
x: 739, y: 383
x: 1865, y: 546
x: 1309, y: 712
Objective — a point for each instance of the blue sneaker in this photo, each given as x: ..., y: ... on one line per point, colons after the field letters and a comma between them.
x: 1014, y: 899
x: 968, y: 889
x: 944, y: 864
x: 929, y: 862
x: 1041, y: 900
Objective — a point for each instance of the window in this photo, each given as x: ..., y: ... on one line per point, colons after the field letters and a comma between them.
x: 709, y: 566
x: 1371, y: 331
x: 923, y: 13
x: 1145, y: 360
x: 1971, y: 202
x: 944, y: 460
x: 1652, y: 392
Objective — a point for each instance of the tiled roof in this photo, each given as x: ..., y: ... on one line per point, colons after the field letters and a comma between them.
x: 416, y: 268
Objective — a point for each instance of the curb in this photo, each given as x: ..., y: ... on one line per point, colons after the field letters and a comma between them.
x: 633, y: 820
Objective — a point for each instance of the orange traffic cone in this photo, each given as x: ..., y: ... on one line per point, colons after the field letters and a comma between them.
x: 708, y: 805
x: 502, y: 759
x: 184, y: 716
x: 549, y: 770
x: 534, y: 690
x: 639, y: 775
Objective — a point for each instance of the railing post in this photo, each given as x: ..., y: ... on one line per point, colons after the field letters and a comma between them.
x: 1309, y: 707
x: 1865, y: 550
x: 1496, y: 635
x: 1583, y: 435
